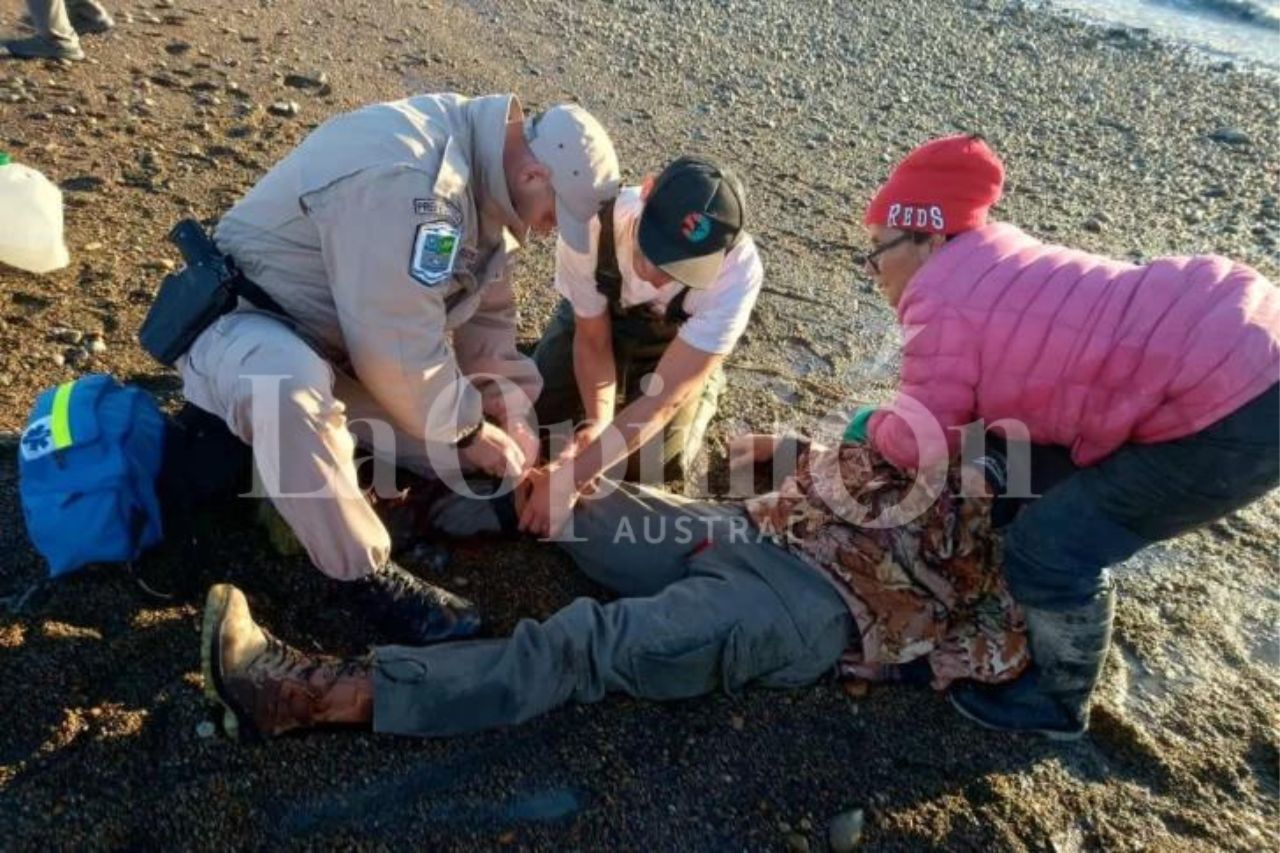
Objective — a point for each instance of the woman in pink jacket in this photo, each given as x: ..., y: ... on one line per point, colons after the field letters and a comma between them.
x: 1160, y: 380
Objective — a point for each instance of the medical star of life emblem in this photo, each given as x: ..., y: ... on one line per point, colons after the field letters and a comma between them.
x: 37, y: 439
x: 435, y: 249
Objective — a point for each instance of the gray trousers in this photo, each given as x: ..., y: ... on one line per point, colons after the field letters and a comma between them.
x: 50, y: 20
x: 708, y: 606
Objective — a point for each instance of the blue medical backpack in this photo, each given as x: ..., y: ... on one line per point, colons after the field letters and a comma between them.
x: 88, y: 463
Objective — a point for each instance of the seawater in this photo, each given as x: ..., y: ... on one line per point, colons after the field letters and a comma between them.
x: 1240, y: 30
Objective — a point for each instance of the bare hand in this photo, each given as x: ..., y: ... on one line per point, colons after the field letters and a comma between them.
x: 526, y: 439
x: 581, y: 439
x: 546, y: 499
x: 495, y: 453
x: 747, y: 451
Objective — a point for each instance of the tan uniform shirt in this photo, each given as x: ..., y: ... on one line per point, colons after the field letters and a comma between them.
x: 388, y: 236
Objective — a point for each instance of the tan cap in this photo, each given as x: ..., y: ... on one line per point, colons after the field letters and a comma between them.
x: 584, y: 168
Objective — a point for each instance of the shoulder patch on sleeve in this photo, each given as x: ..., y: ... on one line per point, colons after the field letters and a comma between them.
x: 435, y: 250
x: 438, y: 208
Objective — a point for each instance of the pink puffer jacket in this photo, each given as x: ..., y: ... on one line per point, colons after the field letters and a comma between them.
x: 1088, y: 352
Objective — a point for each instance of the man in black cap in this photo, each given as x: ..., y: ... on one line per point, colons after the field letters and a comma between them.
x: 652, y: 308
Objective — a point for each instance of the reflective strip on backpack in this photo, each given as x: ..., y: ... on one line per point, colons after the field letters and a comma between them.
x: 60, y: 416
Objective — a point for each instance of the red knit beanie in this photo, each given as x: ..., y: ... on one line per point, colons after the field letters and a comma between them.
x: 943, y: 187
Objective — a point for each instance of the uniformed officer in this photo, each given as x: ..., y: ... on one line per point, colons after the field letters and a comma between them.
x: 58, y: 25
x: 387, y: 238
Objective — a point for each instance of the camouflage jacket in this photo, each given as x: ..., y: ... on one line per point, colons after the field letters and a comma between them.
x: 918, y: 567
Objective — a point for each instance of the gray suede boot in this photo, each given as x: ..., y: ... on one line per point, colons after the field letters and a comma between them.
x: 38, y: 47
x: 89, y: 17
x: 1068, y: 649
x: 55, y: 38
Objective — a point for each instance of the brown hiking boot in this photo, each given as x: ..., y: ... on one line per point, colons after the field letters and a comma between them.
x: 268, y: 688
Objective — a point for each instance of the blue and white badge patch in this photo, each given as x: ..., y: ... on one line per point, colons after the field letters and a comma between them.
x: 435, y: 249
x: 37, y: 439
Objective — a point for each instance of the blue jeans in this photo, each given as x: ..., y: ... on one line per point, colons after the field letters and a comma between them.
x: 1058, y: 548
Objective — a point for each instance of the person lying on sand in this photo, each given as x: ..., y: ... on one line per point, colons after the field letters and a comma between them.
x: 1160, y: 378
x: 849, y: 565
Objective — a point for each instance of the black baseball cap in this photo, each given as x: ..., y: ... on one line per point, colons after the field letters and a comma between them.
x: 692, y: 219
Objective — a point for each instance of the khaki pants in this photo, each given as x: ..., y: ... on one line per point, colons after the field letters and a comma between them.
x: 638, y: 344
x: 50, y: 21
x: 711, y: 607
x: 295, y: 410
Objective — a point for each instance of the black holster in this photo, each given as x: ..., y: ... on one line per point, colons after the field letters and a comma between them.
x: 191, y: 299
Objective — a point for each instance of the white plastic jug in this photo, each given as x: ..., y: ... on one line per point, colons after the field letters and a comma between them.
x: 30, y: 219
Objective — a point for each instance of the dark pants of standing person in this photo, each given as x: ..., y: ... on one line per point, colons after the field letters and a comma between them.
x: 1058, y: 548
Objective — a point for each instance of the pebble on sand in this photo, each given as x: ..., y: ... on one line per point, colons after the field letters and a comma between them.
x: 797, y: 843
x: 1230, y: 136
x: 286, y: 109
x: 67, y: 336
x: 307, y: 80
x: 845, y: 831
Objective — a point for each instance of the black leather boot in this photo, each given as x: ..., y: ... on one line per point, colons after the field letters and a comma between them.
x: 1068, y: 649
x: 409, y: 610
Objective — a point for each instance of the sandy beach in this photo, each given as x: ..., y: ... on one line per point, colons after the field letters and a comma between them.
x: 1113, y: 142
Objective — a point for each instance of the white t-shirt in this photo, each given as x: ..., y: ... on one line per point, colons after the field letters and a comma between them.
x: 718, y: 315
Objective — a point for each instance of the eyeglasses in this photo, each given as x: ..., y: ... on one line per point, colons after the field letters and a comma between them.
x: 868, y: 259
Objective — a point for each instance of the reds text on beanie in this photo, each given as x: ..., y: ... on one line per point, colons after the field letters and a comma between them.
x: 945, y: 186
